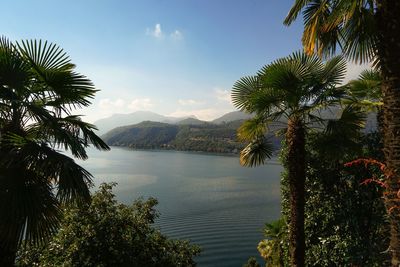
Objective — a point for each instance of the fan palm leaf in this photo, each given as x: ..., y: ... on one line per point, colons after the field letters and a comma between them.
x: 350, y: 25
x: 39, y: 91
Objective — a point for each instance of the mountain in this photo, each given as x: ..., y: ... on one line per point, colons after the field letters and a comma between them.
x: 145, y: 129
x: 117, y: 120
x: 232, y: 116
x: 191, y: 121
x: 191, y: 134
x: 147, y: 134
x: 188, y: 135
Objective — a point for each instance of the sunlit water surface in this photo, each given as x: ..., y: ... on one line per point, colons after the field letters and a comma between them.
x: 208, y: 199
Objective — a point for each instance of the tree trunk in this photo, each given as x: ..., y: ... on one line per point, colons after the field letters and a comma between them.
x: 388, y: 17
x: 7, y: 256
x: 295, y: 138
x: 10, y: 225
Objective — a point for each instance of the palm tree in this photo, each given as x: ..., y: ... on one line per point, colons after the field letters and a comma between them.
x: 271, y: 249
x: 364, y: 30
x: 290, y: 90
x: 39, y: 90
x: 365, y: 92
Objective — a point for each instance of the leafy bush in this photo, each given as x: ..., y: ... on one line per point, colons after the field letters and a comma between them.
x: 345, y: 220
x: 107, y: 233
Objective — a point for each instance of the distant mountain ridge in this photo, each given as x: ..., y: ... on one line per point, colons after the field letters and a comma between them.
x: 191, y: 121
x: 232, y: 116
x: 118, y: 120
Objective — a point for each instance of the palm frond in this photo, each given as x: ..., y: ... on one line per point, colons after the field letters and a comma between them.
x: 252, y: 129
x: 295, y: 10
x: 52, y: 67
x: 348, y: 25
x: 360, y: 34
x: 45, y: 55
x: 296, y: 86
x: 39, y: 90
x: 86, y: 131
x: 368, y: 85
x: 349, y: 124
x: 342, y: 135
x: 242, y: 91
x: 315, y: 38
x: 70, y: 180
x: 256, y: 152
x: 28, y: 207
x: 13, y: 69
x: 334, y: 71
x: 365, y: 92
x: 68, y: 88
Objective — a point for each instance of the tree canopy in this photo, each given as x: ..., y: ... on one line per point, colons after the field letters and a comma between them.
x: 107, y: 233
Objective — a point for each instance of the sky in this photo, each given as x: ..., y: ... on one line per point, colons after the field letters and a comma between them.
x: 172, y: 57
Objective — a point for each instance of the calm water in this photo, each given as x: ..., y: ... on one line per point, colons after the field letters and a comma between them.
x: 208, y: 199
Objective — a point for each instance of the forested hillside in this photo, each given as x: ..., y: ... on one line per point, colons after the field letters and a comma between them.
x: 195, y: 135
x: 206, y: 137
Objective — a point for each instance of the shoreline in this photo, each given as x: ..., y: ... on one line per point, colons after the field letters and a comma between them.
x: 274, y: 160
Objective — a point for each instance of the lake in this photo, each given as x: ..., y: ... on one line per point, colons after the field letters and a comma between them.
x: 208, y: 199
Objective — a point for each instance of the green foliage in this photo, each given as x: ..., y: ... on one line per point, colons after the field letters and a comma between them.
x: 252, y: 262
x: 350, y: 25
x: 296, y: 87
x: 39, y: 92
x: 143, y: 135
x: 293, y: 90
x: 107, y: 233
x: 274, y: 248
x: 345, y: 221
x: 206, y: 137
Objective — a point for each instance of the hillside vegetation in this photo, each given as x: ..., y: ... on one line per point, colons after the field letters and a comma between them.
x: 120, y: 120
x: 206, y: 137
x: 191, y: 134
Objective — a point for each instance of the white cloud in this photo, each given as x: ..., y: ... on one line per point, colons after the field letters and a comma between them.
x: 106, y: 104
x: 223, y: 95
x: 106, y: 107
x: 156, y: 32
x: 176, y: 35
x: 140, y: 104
x: 189, y: 102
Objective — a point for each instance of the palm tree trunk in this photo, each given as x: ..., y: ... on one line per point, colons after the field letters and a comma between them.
x: 389, y: 54
x: 295, y: 138
x: 7, y: 256
x: 9, y: 226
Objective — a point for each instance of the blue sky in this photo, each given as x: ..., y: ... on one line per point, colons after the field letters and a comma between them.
x: 173, y: 57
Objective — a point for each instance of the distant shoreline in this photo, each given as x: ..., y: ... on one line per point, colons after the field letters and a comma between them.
x: 274, y: 160
x: 178, y: 150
